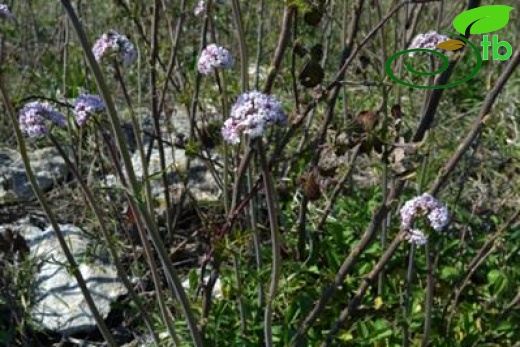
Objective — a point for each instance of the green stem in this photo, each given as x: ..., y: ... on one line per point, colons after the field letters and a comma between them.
x: 240, y: 294
x: 94, y: 205
x: 137, y: 133
x: 244, y: 74
x: 275, y: 241
x: 429, y: 296
x: 408, y: 296
x: 226, y: 147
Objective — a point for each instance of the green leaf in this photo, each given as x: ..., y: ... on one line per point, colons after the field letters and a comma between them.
x: 498, y: 281
x: 485, y: 18
x: 449, y: 273
x: 346, y: 336
x: 381, y: 336
x: 494, y: 275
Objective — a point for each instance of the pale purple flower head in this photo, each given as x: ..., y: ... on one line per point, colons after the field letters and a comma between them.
x: 430, y: 40
x: 418, y: 208
x: 201, y: 8
x: 87, y: 105
x: 416, y: 237
x: 425, y: 204
x: 214, y: 57
x: 5, y: 12
x: 250, y: 114
x: 116, y: 45
x: 35, y: 118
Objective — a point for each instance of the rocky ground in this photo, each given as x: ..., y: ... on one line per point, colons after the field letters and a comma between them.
x: 55, y: 304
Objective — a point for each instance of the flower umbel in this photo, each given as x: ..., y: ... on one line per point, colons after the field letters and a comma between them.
x: 87, y: 105
x: 430, y: 40
x: 424, y: 205
x: 250, y: 114
x: 35, y: 118
x: 416, y: 237
x: 437, y: 213
x: 214, y: 57
x: 116, y: 45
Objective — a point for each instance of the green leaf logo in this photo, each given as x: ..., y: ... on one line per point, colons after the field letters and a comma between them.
x: 484, y: 19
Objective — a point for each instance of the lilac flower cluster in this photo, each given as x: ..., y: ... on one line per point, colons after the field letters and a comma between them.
x: 430, y: 40
x: 417, y: 237
x: 250, y: 114
x: 214, y: 57
x: 35, y: 118
x: 4, y: 11
x: 425, y: 204
x: 117, y: 45
x: 87, y: 105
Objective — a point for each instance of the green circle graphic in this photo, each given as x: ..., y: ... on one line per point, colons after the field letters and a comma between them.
x: 445, y: 65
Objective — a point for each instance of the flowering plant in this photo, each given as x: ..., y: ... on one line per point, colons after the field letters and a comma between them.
x: 250, y: 114
x: 424, y: 205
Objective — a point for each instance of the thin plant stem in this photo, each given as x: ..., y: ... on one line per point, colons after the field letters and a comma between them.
x: 244, y: 73
x: 294, y: 78
x: 283, y: 40
x: 328, y: 28
x: 440, y: 15
x: 169, y: 271
x: 410, y: 274
x: 302, y: 228
x: 108, y: 239
x: 165, y: 312
x: 408, y: 296
x: 275, y: 244
x: 428, y: 305
x: 254, y: 229
x: 252, y: 213
x: 344, y: 36
x: 244, y: 164
x: 175, y: 48
x: 66, y: 39
x: 137, y: 133
x: 257, y: 243
x: 240, y: 296
x: 253, y: 205
x: 221, y: 79
x: 259, y: 42
x: 384, y: 159
x: 154, y: 103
